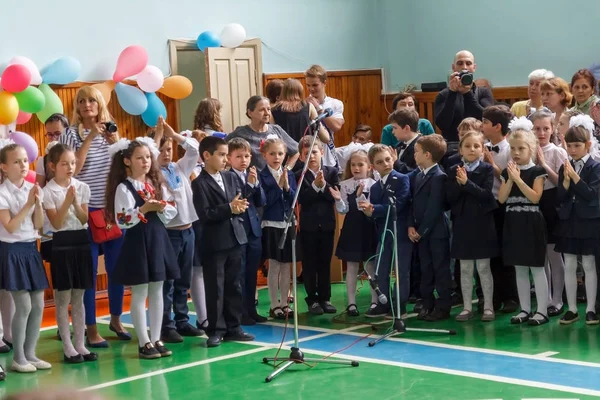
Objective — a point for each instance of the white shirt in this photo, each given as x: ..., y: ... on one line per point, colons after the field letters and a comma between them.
x: 338, y: 112
x: 182, y: 193
x: 407, y: 144
x: 426, y: 170
x: 579, y: 164
x: 315, y: 187
x: 555, y: 157
x: 219, y: 179
x: 47, y: 229
x: 501, y: 159
x: 54, y: 197
x: 126, y: 212
x: 13, y: 199
x: 348, y: 187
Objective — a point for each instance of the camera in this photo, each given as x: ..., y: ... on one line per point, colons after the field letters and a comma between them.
x: 466, y: 77
x: 111, y: 127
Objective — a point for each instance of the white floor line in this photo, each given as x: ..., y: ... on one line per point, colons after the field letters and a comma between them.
x: 547, y: 354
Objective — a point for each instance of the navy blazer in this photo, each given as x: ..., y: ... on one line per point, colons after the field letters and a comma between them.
x: 278, y: 202
x: 475, y: 198
x: 397, y: 184
x: 581, y: 198
x: 428, y: 204
x: 221, y: 230
x: 317, y: 211
x: 256, y: 198
x: 406, y: 162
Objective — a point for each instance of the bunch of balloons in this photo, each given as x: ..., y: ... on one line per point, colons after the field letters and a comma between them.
x: 19, y: 96
x: 232, y: 35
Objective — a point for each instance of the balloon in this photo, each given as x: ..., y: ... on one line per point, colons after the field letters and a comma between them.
x: 31, y: 176
x: 62, y: 71
x: 106, y: 89
x: 36, y: 78
x: 16, y: 78
x: 150, y: 79
x: 31, y: 100
x: 177, y: 87
x: 9, y: 108
x: 131, y: 98
x: 208, y: 39
x: 23, y: 117
x: 27, y: 142
x: 132, y: 61
x: 233, y: 35
x: 53, y: 103
x: 155, y: 109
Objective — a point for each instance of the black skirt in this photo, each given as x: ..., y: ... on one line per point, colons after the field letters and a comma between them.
x: 548, y: 206
x: 358, y: 238
x: 46, y: 250
x: 270, y: 245
x: 21, y: 267
x: 578, y: 236
x: 71, y: 263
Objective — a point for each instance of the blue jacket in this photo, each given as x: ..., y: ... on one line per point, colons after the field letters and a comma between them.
x: 279, y: 202
x: 396, y: 185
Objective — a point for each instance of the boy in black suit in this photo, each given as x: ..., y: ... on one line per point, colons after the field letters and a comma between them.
x: 404, y: 125
x: 317, y: 226
x: 428, y: 227
x: 219, y: 205
x: 239, y: 158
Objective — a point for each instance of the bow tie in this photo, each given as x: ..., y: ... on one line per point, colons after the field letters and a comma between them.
x: 401, y: 146
x: 495, y: 149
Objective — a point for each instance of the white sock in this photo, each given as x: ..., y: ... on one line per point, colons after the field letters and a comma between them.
x: 284, y: 282
x: 78, y: 317
x: 370, y: 268
x: 273, y: 283
x: 487, y: 283
x: 466, y: 283
x: 63, y: 298
x: 571, y: 281
x: 155, y: 309
x: 591, y: 281
x: 7, y: 308
x: 351, y: 280
x: 139, y: 293
x: 199, y: 295
x: 34, y: 323
x: 523, y: 287
x: 541, y: 291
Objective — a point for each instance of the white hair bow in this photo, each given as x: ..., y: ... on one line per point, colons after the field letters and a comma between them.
x: 5, y: 142
x: 583, y: 120
x: 520, y: 123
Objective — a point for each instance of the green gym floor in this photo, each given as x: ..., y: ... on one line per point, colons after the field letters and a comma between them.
x: 483, y: 361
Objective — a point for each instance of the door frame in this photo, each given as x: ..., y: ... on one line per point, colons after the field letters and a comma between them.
x: 190, y: 44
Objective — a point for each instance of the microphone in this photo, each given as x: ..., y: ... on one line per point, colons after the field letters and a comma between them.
x: 375, y: 287
x: 328, y: 112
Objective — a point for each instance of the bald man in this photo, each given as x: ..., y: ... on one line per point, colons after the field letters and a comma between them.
x: 458, y: 101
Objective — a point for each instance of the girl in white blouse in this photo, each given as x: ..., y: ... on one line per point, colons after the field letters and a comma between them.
x: 66, y: 203
x: 139, y: 202
x: 21, y: 270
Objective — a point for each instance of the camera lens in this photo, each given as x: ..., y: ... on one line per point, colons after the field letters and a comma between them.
x: 111, y: 127
x: 466, y: 79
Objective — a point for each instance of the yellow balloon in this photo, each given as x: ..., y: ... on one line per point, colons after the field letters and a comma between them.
x: 177, y: 87
x: 106, y: 89
x: 9, y: 108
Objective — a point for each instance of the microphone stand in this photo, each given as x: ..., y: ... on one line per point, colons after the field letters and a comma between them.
x: 296, y: 355
x: 398, y: 325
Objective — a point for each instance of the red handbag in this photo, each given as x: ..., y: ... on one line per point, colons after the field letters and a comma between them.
x: 103, y: 231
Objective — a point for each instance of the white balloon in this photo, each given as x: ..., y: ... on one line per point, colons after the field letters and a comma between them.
x: 150, y: 79
x: 233, y: 35
x: 36, y: 78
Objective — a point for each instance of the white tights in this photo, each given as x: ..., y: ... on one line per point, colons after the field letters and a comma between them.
x: 591, y: 283
x: 75, y: 298
x: 352, y: 280
x: 26, y: 324
x: 555, y: 271
x: 7, y: 309
x: 199, y: 296
x: 467, y: 268
x: 139, y: 293
x: 524, y: 289
x: 279, y: 283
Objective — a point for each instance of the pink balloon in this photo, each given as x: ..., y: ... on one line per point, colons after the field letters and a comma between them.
x: 30, y: 176
x: 150, y: 79
x: 132, y: 61
x: 16, y: 78
x: 23, y: 117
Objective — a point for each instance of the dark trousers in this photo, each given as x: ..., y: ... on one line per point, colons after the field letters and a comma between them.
x: 317, y: 249
x: 505, y: 280
x: 435, y: 273
x: 251, y: 255
x: 415, y: 274
x: 175, y: 292
x: 386, y: 264
x: 222, y: 276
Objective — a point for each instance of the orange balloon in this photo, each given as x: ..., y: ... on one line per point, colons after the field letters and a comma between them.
x: 106, y: 89
x: 9, y: 108
x: 177, y: 87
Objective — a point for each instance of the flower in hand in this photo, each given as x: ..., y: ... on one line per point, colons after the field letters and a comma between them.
x: 366, y: 207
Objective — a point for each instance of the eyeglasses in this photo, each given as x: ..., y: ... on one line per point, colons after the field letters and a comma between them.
x: 52, y: 135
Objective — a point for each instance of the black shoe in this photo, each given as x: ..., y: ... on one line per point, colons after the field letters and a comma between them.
x: 2, y: 374
x: 238, y: 336
x: 521, y: 318
x: 90, y: 357
x: 315, y: 309
x: 258, y: 318
x: 591, y: 318
x: 538, y: 321
x: 148, y: 352
x: 189, y: 331
x: 553, y: 311
x: 248, y: 320
x: 122, y: 335
x: 436, y: 315
x: 352, y: 311
x: 213, y: 341
x: 423, y: 314
x: 328, y: 308
x: 78, y: 359
x: 160, y: 346
x: 4, y: 348
x: 569, y: 318
x: 171, y: 335
x: 418, y: 306
x: 377, y: 311
x: 412, y: 299
x: 510, y: 306
x: 202, y: 325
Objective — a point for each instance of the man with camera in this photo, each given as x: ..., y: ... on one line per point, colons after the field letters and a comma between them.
x: 461, y: 99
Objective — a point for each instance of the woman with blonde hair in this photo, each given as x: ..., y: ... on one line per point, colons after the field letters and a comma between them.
x: 208, y: 116
x: 92, y: 132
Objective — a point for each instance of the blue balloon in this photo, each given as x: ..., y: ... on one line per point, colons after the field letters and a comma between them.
x: 155, y: 109
x: 131, y: 99
x: 62, y: 71
x: 208, y: 39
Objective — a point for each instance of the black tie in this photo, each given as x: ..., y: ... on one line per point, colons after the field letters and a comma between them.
x: 401, y: 146
x: 495, y: 149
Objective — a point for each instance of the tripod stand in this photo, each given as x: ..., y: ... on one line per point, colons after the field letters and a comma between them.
x: 399, y: 326
x: 296, y: 355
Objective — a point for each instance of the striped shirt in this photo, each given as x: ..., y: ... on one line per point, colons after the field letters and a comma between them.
x: 97, y: 164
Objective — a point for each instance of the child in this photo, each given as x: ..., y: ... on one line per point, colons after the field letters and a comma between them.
x: 551, y: 158
x: 428, y: 227
x: 139, y: 202
x: 220, y: 206
x: 404, y: 125
x: 394, y: 188
x: 240, y: 155
x: 358, y: 238
x: 474, y: 241
x: 579, y: 226
x: 21, y: 270
x: 180, y: 231
x: 280, y: 188
x: 524, y: 236
x: 497, y: 153
x: 361, y: 139
x: 66, y: 203
x: 454, y: 158
x: 404, y: 100
x: 317, y: 226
